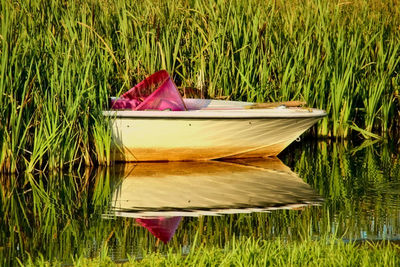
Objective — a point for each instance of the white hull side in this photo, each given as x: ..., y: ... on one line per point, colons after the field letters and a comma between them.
x: 177, y: 139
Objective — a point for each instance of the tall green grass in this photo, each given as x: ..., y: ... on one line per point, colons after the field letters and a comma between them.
x: 253, y: 252
x: 60, y: 61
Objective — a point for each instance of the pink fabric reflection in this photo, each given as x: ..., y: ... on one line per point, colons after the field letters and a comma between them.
x: 157, y: 92
x: 162, y: 227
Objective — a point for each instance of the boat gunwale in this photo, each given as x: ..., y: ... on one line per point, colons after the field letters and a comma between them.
x: 217, y: 114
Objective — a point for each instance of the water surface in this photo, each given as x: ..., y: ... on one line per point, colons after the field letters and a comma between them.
x: 313, y: 190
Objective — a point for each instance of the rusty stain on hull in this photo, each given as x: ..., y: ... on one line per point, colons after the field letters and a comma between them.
x: 194, y: 154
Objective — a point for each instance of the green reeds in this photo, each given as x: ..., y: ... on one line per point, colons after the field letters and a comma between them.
x: 61, y: 61
x: 254, y: 252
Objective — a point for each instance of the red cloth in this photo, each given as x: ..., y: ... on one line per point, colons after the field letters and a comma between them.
x: 157, y: 92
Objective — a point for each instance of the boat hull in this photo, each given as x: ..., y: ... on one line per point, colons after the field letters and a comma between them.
x: 209, y: 129
x: 189, y: 139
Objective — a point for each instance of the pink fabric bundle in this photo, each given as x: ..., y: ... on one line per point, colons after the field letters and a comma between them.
x: 157, y: 92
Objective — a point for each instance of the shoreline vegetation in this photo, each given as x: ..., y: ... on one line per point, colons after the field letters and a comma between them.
x: 62, y: 60
x: 251, y: 252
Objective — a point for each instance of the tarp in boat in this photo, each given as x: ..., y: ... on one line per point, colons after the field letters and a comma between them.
x: 161, y: 227
x: 157, y: 92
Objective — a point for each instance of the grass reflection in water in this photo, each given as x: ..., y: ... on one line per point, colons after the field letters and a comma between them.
x: 62, y: 216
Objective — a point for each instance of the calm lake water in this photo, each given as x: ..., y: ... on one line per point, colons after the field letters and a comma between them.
x: 313, y: 190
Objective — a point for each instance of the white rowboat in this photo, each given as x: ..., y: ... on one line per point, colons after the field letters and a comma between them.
x: 209, y: 129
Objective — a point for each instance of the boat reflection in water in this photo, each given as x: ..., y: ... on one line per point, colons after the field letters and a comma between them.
x: 158, y: 195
